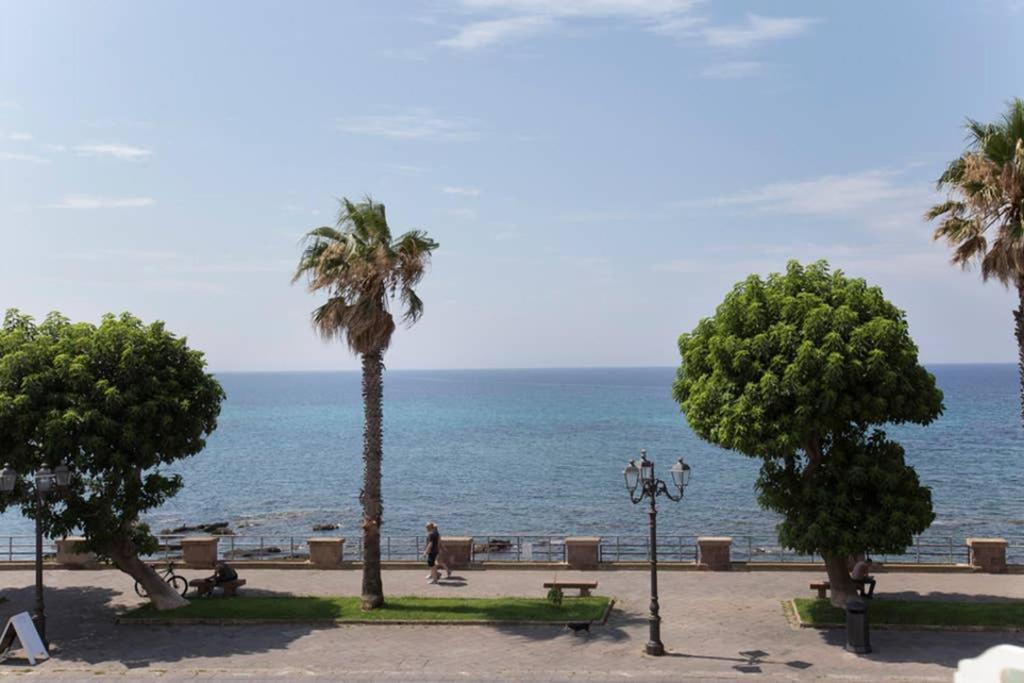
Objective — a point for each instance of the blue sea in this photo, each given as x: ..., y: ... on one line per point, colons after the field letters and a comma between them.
x: 542, y: 451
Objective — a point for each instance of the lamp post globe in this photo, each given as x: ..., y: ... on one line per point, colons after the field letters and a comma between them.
x: 44, y: 479
x: 8, y: 478
x: 680, y: 475
x: 62, y: 476
x: 632, y: 475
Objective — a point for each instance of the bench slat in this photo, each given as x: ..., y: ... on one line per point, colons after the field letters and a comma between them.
x: 571, y: 584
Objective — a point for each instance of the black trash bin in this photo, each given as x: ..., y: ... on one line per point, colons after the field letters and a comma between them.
x: 858, y: 635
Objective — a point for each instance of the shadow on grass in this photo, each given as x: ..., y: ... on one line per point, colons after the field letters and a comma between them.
x: 944, y: 596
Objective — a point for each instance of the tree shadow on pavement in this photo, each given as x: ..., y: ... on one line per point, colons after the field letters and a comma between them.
x: 941, y: 648
x: 614, y: 630
x: 80, y: 622
x: 750, y: 661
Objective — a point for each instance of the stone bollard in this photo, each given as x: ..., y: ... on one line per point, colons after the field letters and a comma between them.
x: 715, y: 553
x: 583, y: 552
x: 199, y: 551
x: 987, y: 554
x: 71, y: 552
x: 326, y: 552
x: 457, y: 551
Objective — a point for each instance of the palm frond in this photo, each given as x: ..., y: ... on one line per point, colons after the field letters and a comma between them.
x: 362, y: 270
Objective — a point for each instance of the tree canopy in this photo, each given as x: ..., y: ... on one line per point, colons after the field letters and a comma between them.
x: 787, y: 360
x: 117, y: 403
x: 363, y: 270
x: 795, y: 370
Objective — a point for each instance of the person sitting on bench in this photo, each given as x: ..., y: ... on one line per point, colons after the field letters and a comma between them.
x: 861, y: 577
x: 225, y: 573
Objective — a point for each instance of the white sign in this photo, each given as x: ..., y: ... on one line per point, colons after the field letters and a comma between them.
x: 21, y: 625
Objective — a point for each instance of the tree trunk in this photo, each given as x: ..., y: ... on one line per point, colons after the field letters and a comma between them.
x: 373, y: 393
x: 161, y: 594
x: 1018, y: 317
x: 841, y: 585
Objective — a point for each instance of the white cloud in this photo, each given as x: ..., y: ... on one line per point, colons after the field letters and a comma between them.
x: 464, y: 191
x: 464, y: 213
x: 829, y: 194
x: 523, y: 18
x: 682, y: 27
x: 756, y: 30
x: 29, y: 158
x: 56, y: 148
x: 732, y: 70
x: 418, y: 124
x: 93, y: 202
x: 499, y: 21
x: 586, y: 8
x: 486, y: 33
x: 123, y: 152
x: 20, y: 137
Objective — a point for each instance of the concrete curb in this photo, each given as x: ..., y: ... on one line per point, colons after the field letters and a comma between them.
x: 907, y: 627
x: 332, y: 622
x: 607, y: 612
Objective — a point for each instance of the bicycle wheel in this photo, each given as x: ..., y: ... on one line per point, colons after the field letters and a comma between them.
x: 179, y: 584
x: 140, y: 591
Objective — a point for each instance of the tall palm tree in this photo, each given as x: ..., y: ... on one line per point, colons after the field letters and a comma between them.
x: 983, y: 216
x: 365, y: 274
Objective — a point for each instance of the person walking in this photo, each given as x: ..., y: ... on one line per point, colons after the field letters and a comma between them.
x: 433, y: 552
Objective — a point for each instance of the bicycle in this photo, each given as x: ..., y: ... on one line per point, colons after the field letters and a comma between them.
x: 178, y: 583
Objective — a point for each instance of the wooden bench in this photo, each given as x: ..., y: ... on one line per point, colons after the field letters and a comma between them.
x: 206, y: 586
x: 584, y: 587
x: 822, y: 589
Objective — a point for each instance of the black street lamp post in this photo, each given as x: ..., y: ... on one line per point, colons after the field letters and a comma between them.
x: 641, y: 475
x: 46, y: 481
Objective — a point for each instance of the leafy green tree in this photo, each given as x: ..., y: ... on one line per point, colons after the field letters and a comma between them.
x: 983, y: 216
x: 117, y: 403
x: 794, y: 370
x: 365, y: 274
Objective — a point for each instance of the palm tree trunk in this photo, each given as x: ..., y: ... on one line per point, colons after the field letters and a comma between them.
x: 373, y: 394
x: 1018, y: 317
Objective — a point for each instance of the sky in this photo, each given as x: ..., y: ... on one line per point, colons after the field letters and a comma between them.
x: 599, y: 173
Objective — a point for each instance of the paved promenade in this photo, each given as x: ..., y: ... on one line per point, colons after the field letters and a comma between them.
x: 717, y: 626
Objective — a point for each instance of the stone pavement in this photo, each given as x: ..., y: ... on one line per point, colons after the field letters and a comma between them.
x: 716, y: 626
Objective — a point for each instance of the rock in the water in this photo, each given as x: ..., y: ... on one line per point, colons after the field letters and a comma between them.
x: 330, y: 526
x: 217, y: 528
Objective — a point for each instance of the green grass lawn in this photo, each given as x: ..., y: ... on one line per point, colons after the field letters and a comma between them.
x: 919, y: 613
x: 395, y: 609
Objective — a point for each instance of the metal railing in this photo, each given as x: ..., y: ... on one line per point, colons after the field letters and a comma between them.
x: 23, y: 548
x: 497, y: 548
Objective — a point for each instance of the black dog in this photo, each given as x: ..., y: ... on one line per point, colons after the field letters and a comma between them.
x: 578, y: 627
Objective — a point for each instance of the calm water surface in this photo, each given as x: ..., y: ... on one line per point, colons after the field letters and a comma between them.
x: 542, y: 452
